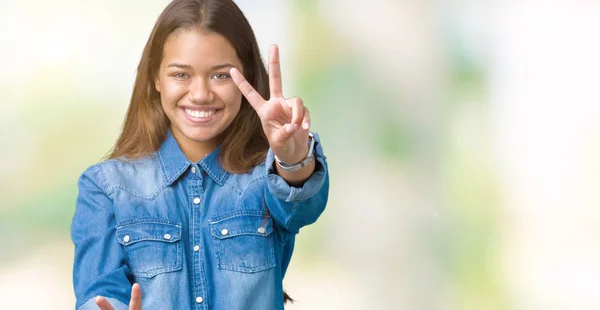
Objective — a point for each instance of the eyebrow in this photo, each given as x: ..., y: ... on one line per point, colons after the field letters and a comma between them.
x: 217, y: 67
x: 180, y: 66
x: 223, y: 66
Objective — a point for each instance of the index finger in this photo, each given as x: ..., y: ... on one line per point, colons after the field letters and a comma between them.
x: 254, y: 98
x: 136, y: 297
x: 275, y: 72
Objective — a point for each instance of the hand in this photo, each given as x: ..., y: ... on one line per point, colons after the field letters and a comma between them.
x: 135, y: 303
x: 285, y: 121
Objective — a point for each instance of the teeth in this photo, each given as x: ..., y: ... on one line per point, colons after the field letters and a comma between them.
x: 199, y: 114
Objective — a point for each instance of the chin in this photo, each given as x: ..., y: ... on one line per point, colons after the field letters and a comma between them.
x: 201, y: 135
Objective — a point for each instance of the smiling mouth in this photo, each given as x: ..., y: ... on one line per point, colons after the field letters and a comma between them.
x: 199, y: 114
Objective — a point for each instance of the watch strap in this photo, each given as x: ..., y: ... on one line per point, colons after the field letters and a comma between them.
x: 304, y: 162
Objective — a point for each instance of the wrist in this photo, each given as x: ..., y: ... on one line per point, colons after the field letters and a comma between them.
x: 294, y: 157
x: 300, y: 159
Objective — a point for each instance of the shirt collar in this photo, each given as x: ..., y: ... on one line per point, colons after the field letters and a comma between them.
x: 174, y: 162
x: 211, y: 163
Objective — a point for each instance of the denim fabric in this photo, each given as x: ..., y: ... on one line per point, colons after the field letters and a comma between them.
x: 193, y: 235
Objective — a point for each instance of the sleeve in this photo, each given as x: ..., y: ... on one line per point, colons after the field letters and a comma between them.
x: 100, y: 267
x: 295, y: 207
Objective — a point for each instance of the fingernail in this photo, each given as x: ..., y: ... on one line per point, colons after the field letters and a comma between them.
x: 306, y: 125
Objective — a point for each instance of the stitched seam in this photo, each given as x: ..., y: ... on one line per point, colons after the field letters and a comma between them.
x: 104, y: 181
x: 212, y: 175
x: 162, y: 166
x: 235, y: 188
x: 156, y: 271
x: 150, y: 220
x: 159, y: 190
x: 177, y: 174
x: 259, y: 178
x: 110, y: 188
x: 247, y: 269
x: 289, y: 220
x: 222, y: 177
x: 121, y: 187
x: 149, y: 238
x: 151, y: 197
x: 256, y: 213
x: 233, y: 234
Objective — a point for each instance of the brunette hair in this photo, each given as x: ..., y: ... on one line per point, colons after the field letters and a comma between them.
x: 243, y: 144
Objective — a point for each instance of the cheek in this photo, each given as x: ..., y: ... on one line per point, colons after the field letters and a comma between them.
x: 237, y: 101
x: 170, y: 93
x: 231, y: 96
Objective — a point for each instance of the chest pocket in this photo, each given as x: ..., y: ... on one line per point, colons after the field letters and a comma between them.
x: 152, y: 246
x: 244, y: 242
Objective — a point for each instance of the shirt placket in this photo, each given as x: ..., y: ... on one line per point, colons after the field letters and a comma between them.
x: 200, y: 298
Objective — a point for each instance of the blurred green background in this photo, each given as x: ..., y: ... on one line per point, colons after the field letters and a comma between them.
x: 462, y: 137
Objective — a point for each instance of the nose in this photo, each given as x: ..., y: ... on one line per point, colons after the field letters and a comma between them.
x: 199, y: 91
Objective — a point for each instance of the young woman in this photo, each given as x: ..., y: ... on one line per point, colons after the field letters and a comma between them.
x: 209, y: 182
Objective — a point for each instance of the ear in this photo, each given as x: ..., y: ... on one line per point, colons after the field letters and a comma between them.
x: 157, y: 84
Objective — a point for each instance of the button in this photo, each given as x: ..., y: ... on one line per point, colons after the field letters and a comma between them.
x: 199, y: 300
x: 167, y: 236
x: 196, y: 248
x: 193, y: 170
x: 196, y: 200
x: 261, y: 230
x: 126, y: 238
x: 224, y: 232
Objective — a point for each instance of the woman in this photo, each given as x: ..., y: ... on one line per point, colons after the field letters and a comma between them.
x: 200, y: 200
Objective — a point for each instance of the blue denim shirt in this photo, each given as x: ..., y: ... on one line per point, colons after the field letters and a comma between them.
x: 193, y: 235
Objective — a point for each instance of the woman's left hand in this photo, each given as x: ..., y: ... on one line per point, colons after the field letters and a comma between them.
x: 286, y: 122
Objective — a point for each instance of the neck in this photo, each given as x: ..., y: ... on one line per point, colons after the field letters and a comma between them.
x: 194, y: 150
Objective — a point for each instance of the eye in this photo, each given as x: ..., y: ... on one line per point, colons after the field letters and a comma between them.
x: 180, y: 76
x: 220, y: 76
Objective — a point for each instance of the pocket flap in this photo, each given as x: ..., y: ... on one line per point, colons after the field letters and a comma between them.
x: 148, y: 231
x: 243, y: 224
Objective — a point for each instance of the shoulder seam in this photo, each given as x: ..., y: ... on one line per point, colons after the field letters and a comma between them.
x: 104, y: 180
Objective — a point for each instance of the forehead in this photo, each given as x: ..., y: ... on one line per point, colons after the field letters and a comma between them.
x: 199, y: 49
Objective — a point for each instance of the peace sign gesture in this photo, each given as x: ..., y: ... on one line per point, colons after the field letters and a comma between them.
x: 285, y: 121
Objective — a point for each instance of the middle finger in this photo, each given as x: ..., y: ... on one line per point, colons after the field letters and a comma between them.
x: 297, y: 110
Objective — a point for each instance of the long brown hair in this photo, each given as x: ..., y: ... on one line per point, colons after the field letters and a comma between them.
x: 243, y: 144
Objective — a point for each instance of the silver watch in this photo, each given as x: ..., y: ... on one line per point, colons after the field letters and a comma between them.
x: 309, y: 158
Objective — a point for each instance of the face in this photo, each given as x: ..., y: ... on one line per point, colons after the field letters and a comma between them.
x: 196, y: 91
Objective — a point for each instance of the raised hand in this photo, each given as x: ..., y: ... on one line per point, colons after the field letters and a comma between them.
x: 135, y: 303
x: 285, y: 121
